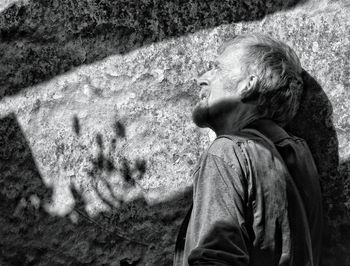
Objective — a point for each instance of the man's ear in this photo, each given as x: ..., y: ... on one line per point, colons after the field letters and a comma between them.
x: 250, y: 92
x: 251, y: 82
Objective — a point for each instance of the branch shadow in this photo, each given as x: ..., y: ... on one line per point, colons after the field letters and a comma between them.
x: 129, y: 234
x: 41, y: 39
x: 313, y: 123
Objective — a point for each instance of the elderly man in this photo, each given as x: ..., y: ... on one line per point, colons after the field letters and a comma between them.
x: 257, y: 197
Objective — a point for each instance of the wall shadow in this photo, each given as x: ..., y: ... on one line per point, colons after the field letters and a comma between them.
x: 45, y: 38
x: 313, y: 123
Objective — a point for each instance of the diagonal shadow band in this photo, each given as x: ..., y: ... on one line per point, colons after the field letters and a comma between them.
x: 44, y: 38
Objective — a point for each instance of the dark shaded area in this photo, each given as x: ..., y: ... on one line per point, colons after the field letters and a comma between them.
x: 45, y: 38
x: 119, y: 129
x: 30, y: 236
x: 21, y: 188
x: 126, y: 262
x: 76, y: 125
x: 313, y: 123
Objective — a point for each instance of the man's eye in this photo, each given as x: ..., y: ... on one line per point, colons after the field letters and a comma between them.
x: 213, y: 65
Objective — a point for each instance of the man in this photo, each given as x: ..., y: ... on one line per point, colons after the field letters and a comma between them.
x: 256, y: 198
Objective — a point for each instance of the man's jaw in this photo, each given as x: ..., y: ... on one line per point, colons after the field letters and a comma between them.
x: 226, y: 115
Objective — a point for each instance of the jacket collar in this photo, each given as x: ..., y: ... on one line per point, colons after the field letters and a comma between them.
x: 270, y: 129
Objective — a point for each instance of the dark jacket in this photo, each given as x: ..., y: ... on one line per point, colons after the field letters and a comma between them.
x: 247, y: 209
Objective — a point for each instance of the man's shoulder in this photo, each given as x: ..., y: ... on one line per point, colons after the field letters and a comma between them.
x: 224, y: 141
x: 232, y: 141
x: 229, y: 147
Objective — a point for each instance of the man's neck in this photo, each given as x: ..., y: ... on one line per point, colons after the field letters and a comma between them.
x: 235, y: 120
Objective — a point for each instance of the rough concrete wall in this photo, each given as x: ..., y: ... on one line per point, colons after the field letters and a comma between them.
x: 96, y: 141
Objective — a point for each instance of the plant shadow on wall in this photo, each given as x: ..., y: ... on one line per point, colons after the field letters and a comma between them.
x: 313, y: 123
x: 104, y: 167
x: 40, y: 39
x: 130, y: 233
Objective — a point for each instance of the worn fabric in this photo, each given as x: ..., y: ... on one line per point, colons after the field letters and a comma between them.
x: 298, y: 158
x: 247, y: 209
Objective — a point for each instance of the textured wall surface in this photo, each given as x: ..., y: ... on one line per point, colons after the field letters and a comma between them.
x: 96, y: 140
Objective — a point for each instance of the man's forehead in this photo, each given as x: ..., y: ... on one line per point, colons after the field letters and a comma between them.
x: 230, y: 52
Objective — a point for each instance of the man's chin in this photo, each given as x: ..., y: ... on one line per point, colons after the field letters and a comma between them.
x: 200, y: 115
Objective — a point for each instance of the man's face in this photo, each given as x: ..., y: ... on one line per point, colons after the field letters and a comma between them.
x: 222, y: 84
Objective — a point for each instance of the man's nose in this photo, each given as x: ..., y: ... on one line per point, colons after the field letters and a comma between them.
x: 204, y: 80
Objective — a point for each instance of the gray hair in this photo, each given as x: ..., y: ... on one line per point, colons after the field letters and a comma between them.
x: 279, y: 76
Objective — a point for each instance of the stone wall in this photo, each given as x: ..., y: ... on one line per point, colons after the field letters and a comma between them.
x: 96, y: 140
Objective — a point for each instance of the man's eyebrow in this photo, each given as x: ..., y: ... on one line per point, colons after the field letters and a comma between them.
x: 217, y: 63
x: 214, y: 62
